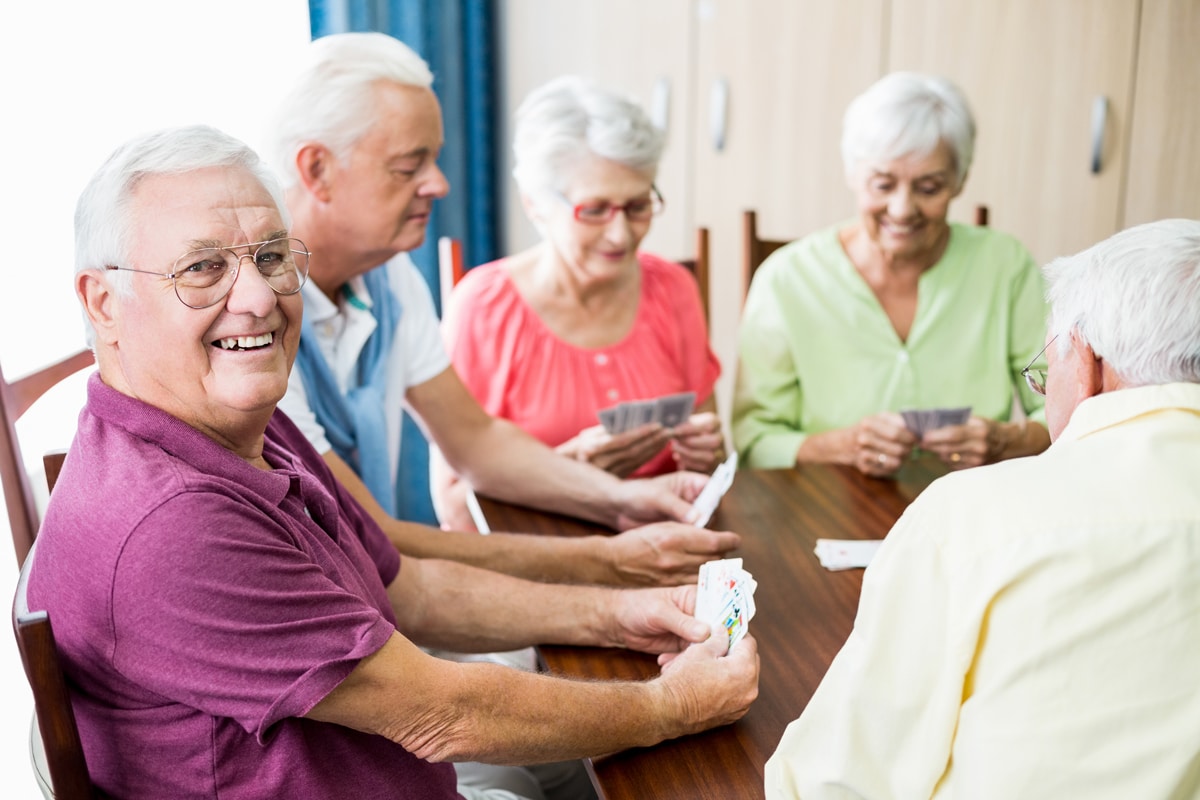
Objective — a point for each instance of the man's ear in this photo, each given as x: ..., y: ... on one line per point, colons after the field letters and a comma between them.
x: 315, y: 166
x: 1089, y: 369
x: 100, y: 304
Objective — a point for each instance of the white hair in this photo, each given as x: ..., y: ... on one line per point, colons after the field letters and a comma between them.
x: 1135, y: 300
x: 333, y: 99
x: 103, y: 214
x: 568, y: 119
x: 907, y: 113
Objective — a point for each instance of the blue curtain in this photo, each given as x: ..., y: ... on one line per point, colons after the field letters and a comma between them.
x: 456, y: 38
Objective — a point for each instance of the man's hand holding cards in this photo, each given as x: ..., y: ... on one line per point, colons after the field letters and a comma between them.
x: 725, y: 598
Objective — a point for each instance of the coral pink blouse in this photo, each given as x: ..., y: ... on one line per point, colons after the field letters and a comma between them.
x: 519, y: 370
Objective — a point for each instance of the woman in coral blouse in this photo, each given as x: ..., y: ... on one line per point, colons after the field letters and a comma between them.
x: 583, y: 321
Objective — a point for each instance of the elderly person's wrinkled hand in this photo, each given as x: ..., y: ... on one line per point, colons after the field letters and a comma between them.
x: 699, y: 444
x: 880, y: 443
x: 666, y: 497
x: 977, y: 441
x: 718, y: 681
x: 666, y: 553
x: 621, y: 453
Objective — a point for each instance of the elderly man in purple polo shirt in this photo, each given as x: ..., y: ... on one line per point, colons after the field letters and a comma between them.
x: 234, y: 624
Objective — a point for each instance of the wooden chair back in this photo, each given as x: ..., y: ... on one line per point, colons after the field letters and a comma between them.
x: 16, y: 398
x: 699, y: 267
x: 51, y: 697
x: 755, y: 249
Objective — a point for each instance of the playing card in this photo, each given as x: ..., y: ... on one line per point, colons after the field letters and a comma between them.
x: 608, y: 418
x: 674, y: 409
x: 950, y: 416
x: 725, y: 597
x: 913, y: 421
x: 640, y: 412
x: 710, y: 496
x: 839, y: 554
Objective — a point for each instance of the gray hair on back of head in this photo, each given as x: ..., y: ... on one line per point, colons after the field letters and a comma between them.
x: 1134, y: 298
x: 332, y: 99
x: 566, y: 120
x: 103, y: 218
x: 908, y: 113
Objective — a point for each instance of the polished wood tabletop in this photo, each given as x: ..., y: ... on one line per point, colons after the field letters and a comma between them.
x: 804, y: 614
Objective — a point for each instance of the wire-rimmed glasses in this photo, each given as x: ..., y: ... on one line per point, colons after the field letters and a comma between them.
x: 1036, y: 378
x: 203, y: 277
x: 639, y: 209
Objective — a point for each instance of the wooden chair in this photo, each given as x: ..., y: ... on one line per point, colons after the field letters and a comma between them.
x: 756, y: 249
x: 699, y: 267
x: 54, y: 716
x: 16, y: 397
x: 451, y: 270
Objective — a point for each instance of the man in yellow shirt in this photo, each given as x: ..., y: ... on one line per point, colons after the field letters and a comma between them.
x: 1032, y: 629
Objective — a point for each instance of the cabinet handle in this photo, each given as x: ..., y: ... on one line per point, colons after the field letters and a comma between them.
x: 1099, y: 123
x: 660, y: 104
x: 718, y: 103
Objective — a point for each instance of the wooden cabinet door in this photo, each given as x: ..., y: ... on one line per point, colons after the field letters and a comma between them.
x: 1032, y: 71
x: 790, y: 67
x: 1164, y: 148
x: 642, y: 48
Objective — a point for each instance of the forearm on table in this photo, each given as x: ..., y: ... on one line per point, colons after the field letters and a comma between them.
x: 513, y: 466
x: 536, y: 558
x: 458, y: 607
x: 445, y: 711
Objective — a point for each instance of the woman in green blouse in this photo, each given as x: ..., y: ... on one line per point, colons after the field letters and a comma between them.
x: 896, y: 309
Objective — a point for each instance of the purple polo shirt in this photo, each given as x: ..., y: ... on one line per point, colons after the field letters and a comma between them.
x: 202, y: 606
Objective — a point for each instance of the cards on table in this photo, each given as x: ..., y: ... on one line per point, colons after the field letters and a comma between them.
x: 669, y: 410
x: 710, y: 496
x: 921, y: 421
x: 836, y: 554
x: 725, y: 597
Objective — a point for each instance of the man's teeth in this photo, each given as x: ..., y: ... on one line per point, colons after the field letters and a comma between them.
x: 245, y: 342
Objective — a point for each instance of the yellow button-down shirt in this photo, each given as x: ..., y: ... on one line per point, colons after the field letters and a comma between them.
x: 1029, y: 629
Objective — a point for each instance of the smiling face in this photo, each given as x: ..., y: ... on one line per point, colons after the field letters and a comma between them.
x: 220, y: 369
x: 382, y: 191
x: 603, y: 250
x: 902, y: 204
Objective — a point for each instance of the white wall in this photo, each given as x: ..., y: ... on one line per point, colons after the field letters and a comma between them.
x: 77, y: 78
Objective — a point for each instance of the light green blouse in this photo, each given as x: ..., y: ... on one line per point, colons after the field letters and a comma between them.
x: 817, y: 352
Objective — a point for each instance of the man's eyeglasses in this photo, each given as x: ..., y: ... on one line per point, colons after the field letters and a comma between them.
x: 203, y: 277
x: 1036, y: 378
x: 638, y: 210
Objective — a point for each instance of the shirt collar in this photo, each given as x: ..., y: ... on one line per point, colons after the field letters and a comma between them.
x: 180, y: 440
x: 319, y: 308
x: 1113, y: 408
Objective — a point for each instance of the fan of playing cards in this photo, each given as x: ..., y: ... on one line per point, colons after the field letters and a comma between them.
x: 920, y: 421
x: 725, y: 597
x: 669, y: 410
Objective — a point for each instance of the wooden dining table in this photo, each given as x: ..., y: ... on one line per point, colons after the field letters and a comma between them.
x: 804, y: 614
